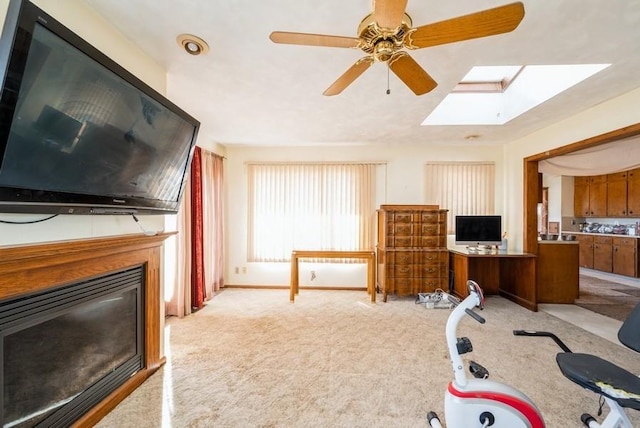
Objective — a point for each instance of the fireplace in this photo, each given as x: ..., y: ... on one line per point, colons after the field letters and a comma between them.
x: 65, y: 349
x: 80, y: 327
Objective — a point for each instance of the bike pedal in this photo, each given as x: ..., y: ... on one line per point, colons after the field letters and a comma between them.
x: 464, y: 345
x: 478, y: 371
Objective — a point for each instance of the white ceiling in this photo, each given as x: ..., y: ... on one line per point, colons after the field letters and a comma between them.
x: 250, y: 91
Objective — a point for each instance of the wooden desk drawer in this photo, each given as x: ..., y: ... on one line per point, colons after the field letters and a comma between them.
x: 404, y: 217
x: 430, y: 229
x: 402, y: 229
x: 401, y: 271
x: 433, y: 241
x: 401, y: 257
x: 434, y: 270
x: 435, y: 256
x: 432, y: 217
x: 403, y: 286
x: 400, y: 241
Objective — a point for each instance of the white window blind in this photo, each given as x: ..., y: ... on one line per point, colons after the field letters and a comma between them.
x: 309, y: 207
x: 464, y: 188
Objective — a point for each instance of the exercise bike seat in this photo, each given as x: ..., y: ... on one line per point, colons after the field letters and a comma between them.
x: 602, y: 377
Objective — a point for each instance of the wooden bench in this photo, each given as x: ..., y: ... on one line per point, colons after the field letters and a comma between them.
x: 369, y: 256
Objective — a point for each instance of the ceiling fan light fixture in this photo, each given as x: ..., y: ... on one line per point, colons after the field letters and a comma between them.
x: 383, y: 50
x: 193, y: 45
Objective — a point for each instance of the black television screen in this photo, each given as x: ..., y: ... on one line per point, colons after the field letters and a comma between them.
x: 475, y: 230
x: 80, y: 134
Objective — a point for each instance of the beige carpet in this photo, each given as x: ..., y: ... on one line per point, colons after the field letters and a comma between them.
x: 332, y: 359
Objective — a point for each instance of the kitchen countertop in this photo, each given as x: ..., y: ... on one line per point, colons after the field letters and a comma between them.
x: 614, y: 235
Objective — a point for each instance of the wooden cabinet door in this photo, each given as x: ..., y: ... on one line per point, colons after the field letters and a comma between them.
x: 603, y: 254
x: 585, y: 243
x: 598, y: 196
x: 617, y: 195
x: 633, y: 193
x: 624, y: 256
x: 581, y: 196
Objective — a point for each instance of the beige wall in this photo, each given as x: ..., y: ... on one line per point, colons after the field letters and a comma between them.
x: 402, y: 183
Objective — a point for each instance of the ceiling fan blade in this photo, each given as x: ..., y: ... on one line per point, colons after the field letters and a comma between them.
x: 389, y: 13
x: 488, y: 22
x: 410, y: 72
x: 349, y: 76
x: 314, y: 40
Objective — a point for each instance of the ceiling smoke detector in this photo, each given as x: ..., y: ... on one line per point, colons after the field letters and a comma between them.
x: 192, y: 45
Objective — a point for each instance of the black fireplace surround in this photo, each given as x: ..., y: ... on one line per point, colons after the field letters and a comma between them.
x: 65, y: 349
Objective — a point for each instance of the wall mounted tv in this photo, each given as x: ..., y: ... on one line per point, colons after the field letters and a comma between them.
x: 79, y: 134
x: 478, y: 230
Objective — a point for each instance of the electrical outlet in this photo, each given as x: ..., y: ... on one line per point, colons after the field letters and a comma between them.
x: 244, y: 269
x: 237, y: 269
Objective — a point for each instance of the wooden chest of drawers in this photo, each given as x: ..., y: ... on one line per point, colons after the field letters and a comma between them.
x: 412, y: 256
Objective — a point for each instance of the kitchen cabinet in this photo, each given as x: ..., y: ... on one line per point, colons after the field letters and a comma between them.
x: 585, y: 243
x: 602, y: 253
x: 607, y: 253
x: 633, y: 193
x: 590, y: 196
x: 617, y: 194
x: 581, y: 196
x: 625, y: 260
x: 611, y: 195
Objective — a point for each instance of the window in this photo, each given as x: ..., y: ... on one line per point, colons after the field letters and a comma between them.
x: 309, y: 206
x: 464, y: 188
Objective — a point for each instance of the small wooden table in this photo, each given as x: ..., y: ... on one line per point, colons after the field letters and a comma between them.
x: 369, y: 256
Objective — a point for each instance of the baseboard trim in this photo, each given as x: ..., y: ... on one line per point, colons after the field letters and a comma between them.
x: 302, y: 287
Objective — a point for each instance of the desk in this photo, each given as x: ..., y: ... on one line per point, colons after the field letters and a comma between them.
x: 507, y: 273
x: 369, y: 256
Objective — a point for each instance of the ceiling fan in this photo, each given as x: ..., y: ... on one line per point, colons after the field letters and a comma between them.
x: 388, y: 29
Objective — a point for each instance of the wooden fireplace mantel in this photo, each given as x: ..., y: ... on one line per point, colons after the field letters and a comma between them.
x: 31, y: 268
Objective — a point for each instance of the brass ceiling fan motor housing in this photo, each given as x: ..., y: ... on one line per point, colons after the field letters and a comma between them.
x: 380, y: 42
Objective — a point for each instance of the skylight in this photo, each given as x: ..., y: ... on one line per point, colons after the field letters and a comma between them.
x: 491, y: 95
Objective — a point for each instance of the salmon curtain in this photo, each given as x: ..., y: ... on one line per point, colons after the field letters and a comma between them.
x: 213, y: 222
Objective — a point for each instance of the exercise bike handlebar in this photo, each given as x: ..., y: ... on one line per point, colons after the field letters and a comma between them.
x: 555, y: 338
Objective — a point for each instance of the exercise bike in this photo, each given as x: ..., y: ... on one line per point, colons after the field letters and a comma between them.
x: 479, y: 402
x: 617, y: 387
x: 482, y: 403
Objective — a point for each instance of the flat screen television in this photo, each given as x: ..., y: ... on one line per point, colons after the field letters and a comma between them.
x: 478, y: 230
x: 79, y: 134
